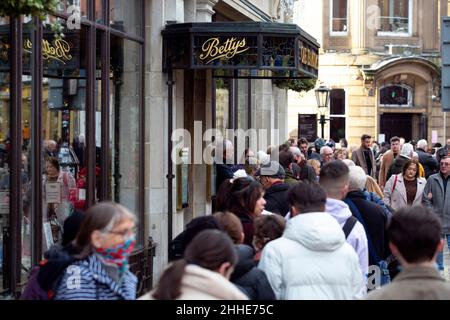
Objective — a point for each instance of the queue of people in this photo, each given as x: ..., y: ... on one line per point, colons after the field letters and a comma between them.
x: 339, y: 233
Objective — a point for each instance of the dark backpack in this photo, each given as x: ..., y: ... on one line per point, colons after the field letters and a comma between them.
x: 44, y: 277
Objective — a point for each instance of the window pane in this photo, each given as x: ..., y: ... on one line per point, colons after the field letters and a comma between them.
x: 26, y: 172
x: 394, y: 16
x: 5, y: 143
x: 99, y: 11
x: 64, y: 132
x: 337, y: 128
x: 242, y: 118
x: 337, y: 101
x: 339, y: 16
x: 64, y: 6
x: 394, y: 95
x: 124, y: 119
x: 126, y: 16
x: 222, y: 105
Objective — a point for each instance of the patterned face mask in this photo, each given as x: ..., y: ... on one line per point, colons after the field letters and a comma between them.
x: 118, y: 255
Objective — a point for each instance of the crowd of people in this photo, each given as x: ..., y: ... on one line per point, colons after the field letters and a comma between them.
x: 291, y: 222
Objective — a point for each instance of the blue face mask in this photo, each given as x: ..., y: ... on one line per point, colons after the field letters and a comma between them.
x: 118, y: 255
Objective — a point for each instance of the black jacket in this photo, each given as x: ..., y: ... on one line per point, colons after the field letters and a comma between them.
x: 247, y: 276
x: 397, y: 166
x: 430, y: 165
x: 276, y: 198
x: 223, y: 172
x: 374, y: 223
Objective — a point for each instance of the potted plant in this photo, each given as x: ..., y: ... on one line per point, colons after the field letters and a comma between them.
x: 35, y: 8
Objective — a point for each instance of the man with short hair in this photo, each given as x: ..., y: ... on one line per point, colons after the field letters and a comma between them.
x: 387, y: 159
x: 326, y: 153
x: 364, y: 157
x: 312, y: 260
x: 436, y: 195
x: 415, y: 241
x: 272, y: 176
x: 334, y: 180
x: 429, y: 164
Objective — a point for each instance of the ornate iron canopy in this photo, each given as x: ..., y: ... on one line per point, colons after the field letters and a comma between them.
x: 241, y: 49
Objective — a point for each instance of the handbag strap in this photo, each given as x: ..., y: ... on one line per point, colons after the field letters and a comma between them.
x: 395, y: 183
x: 358, y: 215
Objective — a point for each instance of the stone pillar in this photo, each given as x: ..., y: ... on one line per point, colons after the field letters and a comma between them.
x: 358, y: 26
x: 204, y: 10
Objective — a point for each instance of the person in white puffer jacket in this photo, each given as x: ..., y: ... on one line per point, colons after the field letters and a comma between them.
x: 334, y: 179
x: 312, y: 260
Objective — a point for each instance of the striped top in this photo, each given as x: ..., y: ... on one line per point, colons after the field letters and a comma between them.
x: 88, y: 280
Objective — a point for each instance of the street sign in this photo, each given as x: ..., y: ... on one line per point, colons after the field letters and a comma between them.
x: 445, y: 53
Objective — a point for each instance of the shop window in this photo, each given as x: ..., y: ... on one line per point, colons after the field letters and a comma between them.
x: 396, y: 96
x: 395, y: 17
x: 338, y: 16
x: 126, y: 16
x: 5, y: 147
x: 125, y: 96
x: 337, y: 114
x: 67, y: 6
x: 63, y: 132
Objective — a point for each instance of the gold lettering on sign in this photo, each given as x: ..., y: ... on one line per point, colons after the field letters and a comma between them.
x: 57, y: 50
x: 309, y: 58
x: 212, y: 49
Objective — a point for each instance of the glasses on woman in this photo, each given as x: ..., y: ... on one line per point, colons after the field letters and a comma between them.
x: 124, y: 233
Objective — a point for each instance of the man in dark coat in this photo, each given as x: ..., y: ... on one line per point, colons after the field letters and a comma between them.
x: 375, y: 220
x: 224, y: 161
x: 430, y: 165
x: 247, y: 276
x: 272, y: 177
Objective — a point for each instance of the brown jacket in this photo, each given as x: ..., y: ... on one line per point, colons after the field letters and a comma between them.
x: 414, y: 283
x: 386, y: 161
x: 359, y: 159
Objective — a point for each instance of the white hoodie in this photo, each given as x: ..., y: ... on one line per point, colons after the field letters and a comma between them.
x: 357, y: 238
x: 312, y: 261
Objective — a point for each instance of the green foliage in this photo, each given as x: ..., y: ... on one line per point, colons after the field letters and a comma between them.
x: 298, y: 85
x: 35, y: 8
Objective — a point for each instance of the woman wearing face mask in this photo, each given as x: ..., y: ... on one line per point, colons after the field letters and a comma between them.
x: 102, y: 247
x: 204, y: 272
x: 406, y: 188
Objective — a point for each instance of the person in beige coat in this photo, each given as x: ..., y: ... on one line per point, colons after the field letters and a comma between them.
x: 364, y: 157
x: 406, y: 188
x: 415, y: 239
x: 204, y: 272
x: 387, y: 159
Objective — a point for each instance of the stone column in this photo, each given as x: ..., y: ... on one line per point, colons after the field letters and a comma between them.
x: 358, y: 26
x: 204, y: 10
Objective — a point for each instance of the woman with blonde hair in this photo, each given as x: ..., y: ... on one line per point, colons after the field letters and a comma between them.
x: 372, y: 186
x: 341, y: 154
